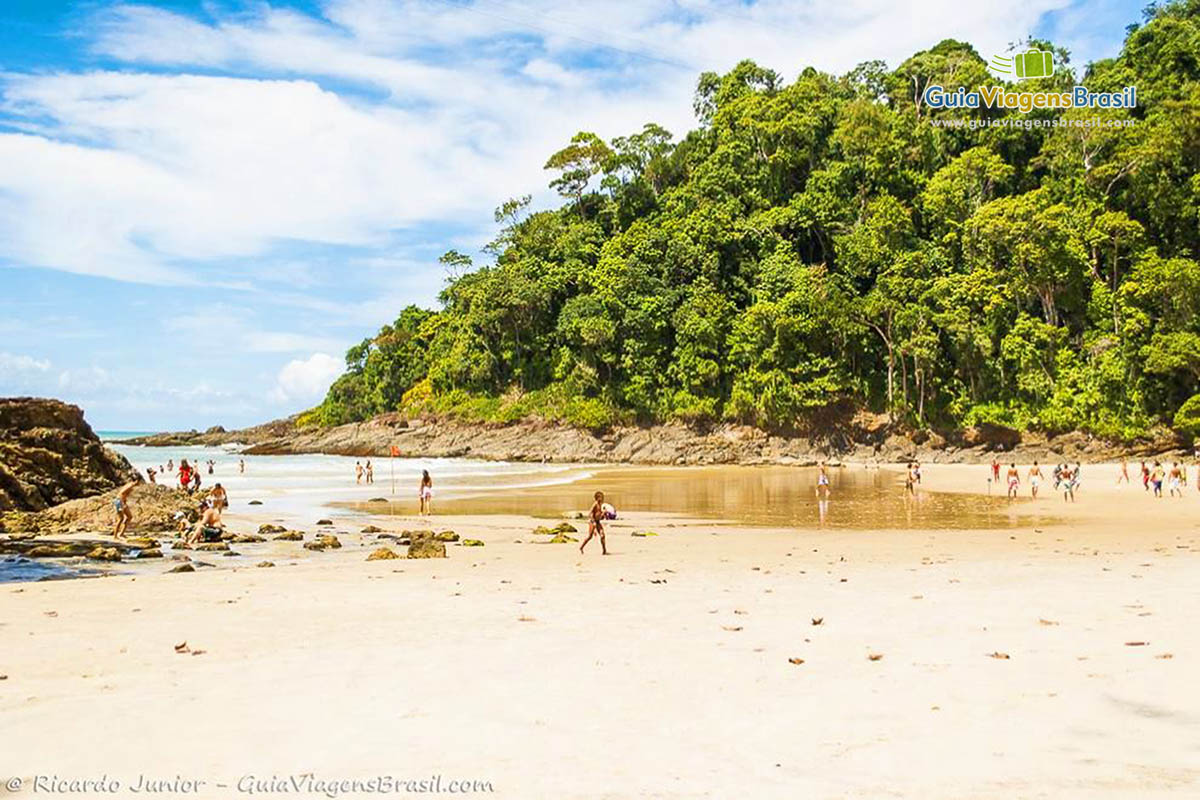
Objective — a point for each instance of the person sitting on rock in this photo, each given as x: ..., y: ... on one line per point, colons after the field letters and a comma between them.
x: 124, y: 514
x: 209, y: 527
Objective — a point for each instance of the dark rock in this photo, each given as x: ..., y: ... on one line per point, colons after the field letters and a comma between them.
x: 104, y: 554
x: 265, y: 564
x: 470, y: 543
x: 182, y: 568
x: 152, y: 552
x: 49, y: 455
x: 246, y: 538
x: 324, y: 522
x: 255, y: 503
x: 215, y: 429
x: 211, y: 547
x: 289, y: 536
x: 371, y: 529
x: 268, y: 529
x: 446, y: 536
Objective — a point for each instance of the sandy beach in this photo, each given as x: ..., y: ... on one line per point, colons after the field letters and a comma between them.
x: 663, y: 670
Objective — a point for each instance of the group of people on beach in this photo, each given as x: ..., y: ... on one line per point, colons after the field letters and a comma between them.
x: 1066, y: 478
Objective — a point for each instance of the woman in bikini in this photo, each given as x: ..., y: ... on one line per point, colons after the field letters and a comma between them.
x: 425, y: 493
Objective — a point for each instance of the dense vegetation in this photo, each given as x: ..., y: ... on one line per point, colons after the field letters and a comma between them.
x: 829, y: 242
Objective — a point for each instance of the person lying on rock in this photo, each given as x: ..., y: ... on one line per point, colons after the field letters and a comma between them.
x: 124, y: 514
x: 209, y: 527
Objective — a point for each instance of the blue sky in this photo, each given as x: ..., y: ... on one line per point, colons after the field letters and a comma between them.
x: 203, y: 204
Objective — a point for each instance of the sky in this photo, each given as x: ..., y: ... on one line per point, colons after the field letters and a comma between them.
x: 204, y: 204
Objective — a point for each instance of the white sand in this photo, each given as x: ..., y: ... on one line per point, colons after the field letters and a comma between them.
x: 551, y: 675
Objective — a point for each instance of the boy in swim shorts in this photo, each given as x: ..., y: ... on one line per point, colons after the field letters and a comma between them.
x: 596, y: 523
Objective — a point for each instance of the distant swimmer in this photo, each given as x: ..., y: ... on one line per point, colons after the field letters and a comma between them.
x: 241, y: 465
x: 124, y: 513
x: 171, y: 464
x: 1035, y: 478
x: 211, y: 464
x: 596, y: 523
x: 425, y: 492
x: 1014, y: 480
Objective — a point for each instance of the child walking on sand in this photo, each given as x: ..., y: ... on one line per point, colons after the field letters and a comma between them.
x: 596, y: 523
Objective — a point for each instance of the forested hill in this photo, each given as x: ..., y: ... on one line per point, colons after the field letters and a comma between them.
x: 829, y: 241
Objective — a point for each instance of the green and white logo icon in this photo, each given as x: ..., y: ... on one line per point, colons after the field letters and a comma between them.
x: 1030, y: 64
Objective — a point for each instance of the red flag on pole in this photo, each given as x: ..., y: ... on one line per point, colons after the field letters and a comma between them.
x: 395, y: 451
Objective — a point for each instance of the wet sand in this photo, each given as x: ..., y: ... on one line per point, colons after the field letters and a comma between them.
x: 660, y: 671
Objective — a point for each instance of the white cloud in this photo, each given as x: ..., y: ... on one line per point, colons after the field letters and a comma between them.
x: 132, y: 174
x: 306, y: 381
x: 10, y: 363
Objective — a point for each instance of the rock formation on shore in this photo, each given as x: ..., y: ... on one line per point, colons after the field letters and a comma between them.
x: 154, y: 509
x: 49, y: 455
x: 860, y: 436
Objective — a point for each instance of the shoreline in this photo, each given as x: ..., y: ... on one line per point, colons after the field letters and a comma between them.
x: 864, y: 438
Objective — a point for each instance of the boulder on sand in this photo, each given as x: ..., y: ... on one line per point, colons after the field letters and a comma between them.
x: 383, y: 554
x: 267, y: 529
x: 49, y: 455
x: 99, y: 553
x: 446, y: 536
x: 323, y: 541
x: 290, y: 536
x: 423, y: 545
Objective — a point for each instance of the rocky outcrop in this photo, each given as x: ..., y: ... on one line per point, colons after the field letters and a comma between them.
x: 840, y: 433
x: 49, y: 455
x: 154, y: 509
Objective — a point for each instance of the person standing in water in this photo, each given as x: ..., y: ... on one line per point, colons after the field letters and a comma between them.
x: 124, y: 513
x: 241, y: 466
x: 196, y: 480
x: 910, y: 481
x: 150, y: 473
x: 425, y: 492
x: 822, y: 481
x: 596, y: 523
x: 1035, y: 477
x: 185, y: 475
x: 358, y: 472
x: 1014, y: 480
x: 219, y: 497
x: 171, y: 464
x: 370, y: 472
